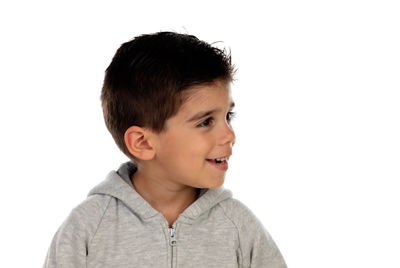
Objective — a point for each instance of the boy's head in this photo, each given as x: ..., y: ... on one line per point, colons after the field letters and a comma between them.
x: 152, y: 76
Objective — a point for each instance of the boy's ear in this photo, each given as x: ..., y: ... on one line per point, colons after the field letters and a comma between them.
x: 138, y: 143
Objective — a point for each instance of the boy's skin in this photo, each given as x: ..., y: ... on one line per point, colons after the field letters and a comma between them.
x: 173, y: 164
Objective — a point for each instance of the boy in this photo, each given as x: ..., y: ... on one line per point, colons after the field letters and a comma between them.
x: 167, y: 103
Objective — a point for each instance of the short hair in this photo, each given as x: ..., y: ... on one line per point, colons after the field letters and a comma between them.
x: 147, y: 76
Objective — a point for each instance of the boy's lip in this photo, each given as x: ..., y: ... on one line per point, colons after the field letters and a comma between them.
x: 223, y: 166
x: 227, y: 156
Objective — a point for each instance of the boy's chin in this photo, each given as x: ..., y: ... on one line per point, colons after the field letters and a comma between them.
x: 216, y: 183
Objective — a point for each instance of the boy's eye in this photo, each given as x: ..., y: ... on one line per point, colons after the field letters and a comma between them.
x: 230, y: 116
x: 208, y: 121
x: 205, y: 123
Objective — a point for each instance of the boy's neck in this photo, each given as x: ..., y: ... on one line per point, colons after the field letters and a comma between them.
x: 170, y: 199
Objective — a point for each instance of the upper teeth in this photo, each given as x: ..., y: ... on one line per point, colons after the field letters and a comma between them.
x: 222, y: 159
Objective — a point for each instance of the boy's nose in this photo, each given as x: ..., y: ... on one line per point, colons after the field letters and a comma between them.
x: 228, y: 135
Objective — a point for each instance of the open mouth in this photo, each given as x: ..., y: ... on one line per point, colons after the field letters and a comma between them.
x: 219, y: 163
x: 219, y: 160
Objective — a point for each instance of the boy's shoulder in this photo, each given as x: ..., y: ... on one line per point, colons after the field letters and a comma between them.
x: 85, y: 218
x: 239, y: 213
x: 253, y: 236
x: 92, y: 206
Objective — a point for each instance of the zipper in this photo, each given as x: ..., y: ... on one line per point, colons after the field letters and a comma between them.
x: 172, y: 243
x: 172, y: 240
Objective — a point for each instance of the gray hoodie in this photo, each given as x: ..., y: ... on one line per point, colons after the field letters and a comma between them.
x: 116, y: 227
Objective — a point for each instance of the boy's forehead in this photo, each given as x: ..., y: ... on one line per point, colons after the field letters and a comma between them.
x: 217, y: 93
x: 205, y: 100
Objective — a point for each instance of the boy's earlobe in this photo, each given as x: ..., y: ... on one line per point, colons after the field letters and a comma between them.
x: 138, y: 143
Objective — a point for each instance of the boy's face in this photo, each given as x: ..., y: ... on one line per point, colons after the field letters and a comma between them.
x: 200, y: 131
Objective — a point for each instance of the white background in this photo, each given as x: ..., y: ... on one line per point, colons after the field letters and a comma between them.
x: 317, y: 157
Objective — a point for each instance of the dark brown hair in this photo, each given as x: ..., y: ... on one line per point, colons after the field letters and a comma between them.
x: 144, y: 82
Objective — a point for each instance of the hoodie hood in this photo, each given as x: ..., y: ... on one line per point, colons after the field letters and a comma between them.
x: 118, y: 185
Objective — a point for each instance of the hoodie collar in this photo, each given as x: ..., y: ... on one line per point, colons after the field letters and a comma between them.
x: 118, y: 185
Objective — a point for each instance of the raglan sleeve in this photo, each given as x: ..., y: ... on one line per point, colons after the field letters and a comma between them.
x: 257, y: 248
x: 69, y: 247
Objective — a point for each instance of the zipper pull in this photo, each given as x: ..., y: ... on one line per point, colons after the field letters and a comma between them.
x: 172, y: 241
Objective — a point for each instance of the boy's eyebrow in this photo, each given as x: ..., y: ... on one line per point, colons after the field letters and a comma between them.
x: 204, y: 114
